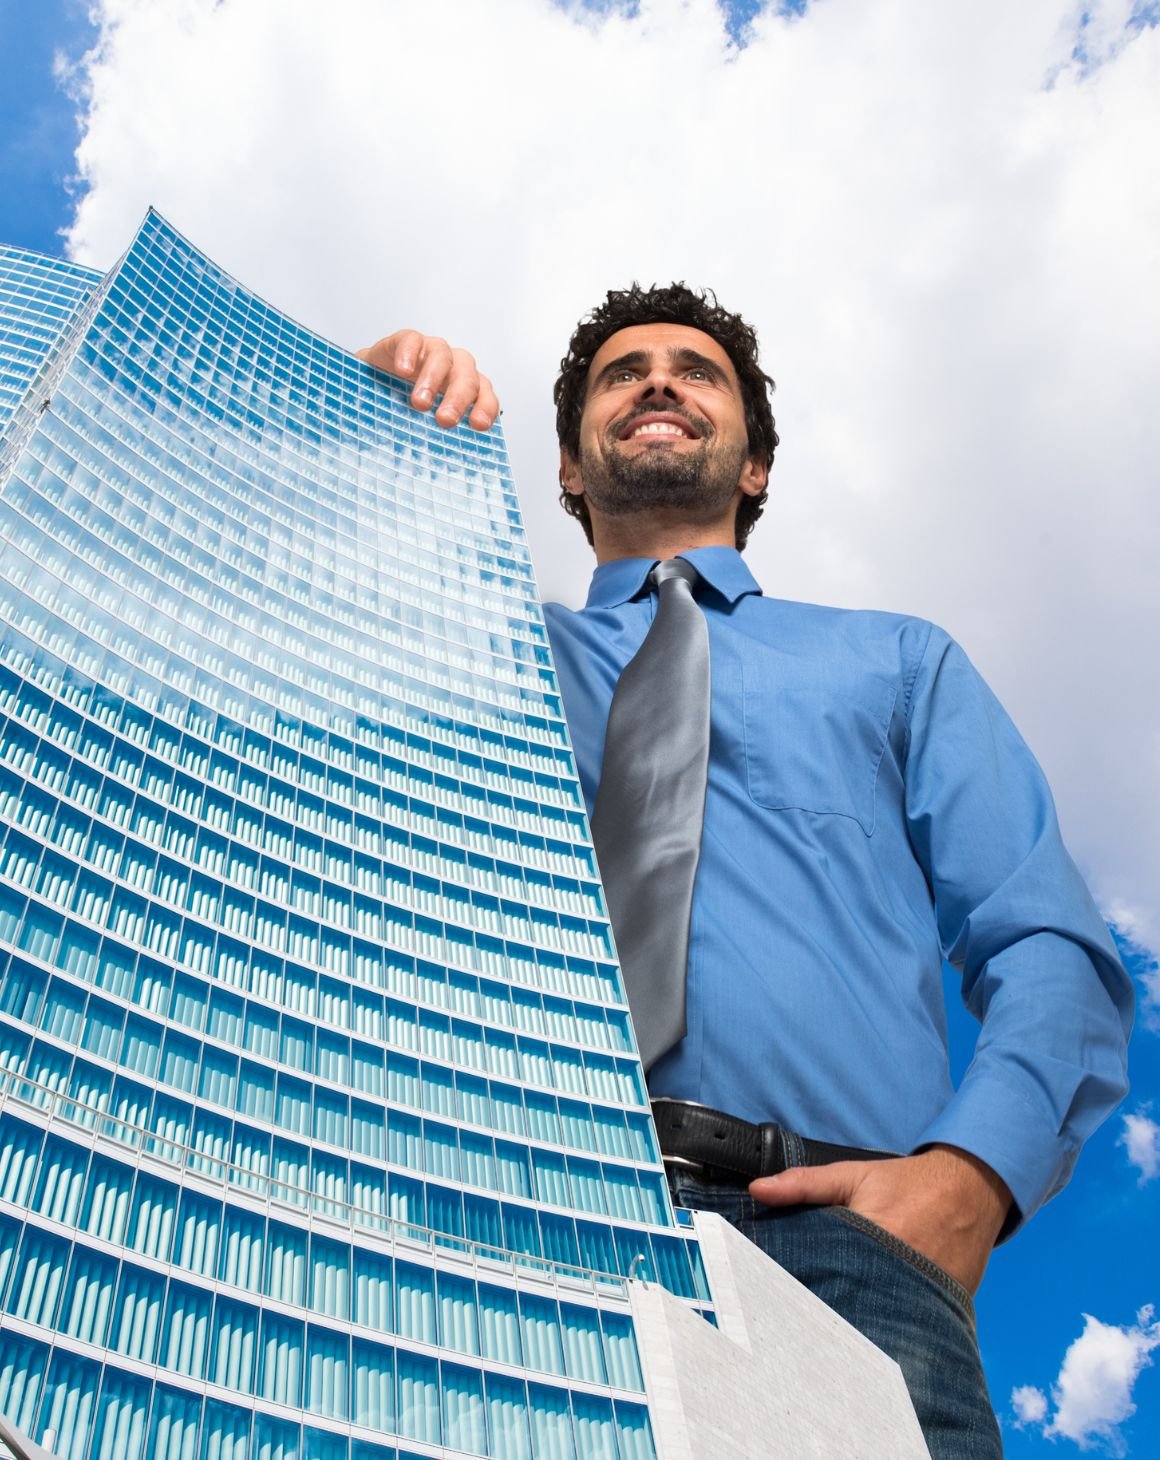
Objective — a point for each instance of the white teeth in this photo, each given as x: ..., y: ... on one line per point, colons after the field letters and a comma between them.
x: 658, y: 428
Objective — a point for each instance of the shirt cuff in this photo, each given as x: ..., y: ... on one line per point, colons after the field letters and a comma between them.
x: 992, y: 1119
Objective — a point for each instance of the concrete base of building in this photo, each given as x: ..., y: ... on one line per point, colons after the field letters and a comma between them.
x: 781, y: 1378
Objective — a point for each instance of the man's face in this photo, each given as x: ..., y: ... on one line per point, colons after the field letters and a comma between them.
x: 663, y: 426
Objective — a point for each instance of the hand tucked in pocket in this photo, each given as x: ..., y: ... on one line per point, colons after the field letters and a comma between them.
x: 944, y: 1202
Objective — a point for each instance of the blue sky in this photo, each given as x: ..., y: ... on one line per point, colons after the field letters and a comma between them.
x: 738, y: 14
x: 38, y: 124
x: 1094, y: 1250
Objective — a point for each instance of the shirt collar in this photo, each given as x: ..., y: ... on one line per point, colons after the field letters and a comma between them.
x: 721, y: 567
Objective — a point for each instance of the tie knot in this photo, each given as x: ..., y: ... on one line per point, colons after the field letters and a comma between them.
x: 674, y: 568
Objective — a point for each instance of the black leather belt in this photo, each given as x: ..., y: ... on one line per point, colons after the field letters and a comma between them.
x: 729, y: 1149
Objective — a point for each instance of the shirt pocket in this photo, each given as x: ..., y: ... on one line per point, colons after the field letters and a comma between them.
x: 814, y: 741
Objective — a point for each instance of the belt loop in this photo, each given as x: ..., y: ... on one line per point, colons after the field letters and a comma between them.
x: 771, y: 1155
x: 794, y: 1151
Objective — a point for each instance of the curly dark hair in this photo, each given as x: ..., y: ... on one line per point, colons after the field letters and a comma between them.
x: 674, y: 304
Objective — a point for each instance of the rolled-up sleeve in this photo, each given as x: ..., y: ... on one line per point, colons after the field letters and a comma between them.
x: 1039, y: 967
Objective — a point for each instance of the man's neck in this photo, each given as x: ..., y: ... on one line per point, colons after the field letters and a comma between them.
x: 644, y: 536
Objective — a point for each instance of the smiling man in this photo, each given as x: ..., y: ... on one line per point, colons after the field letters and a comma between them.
x: 677, y: 450
x: 799, y: 813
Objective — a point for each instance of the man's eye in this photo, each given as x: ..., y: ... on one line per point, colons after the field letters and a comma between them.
x: 622, y: 375
x: 698, y: 372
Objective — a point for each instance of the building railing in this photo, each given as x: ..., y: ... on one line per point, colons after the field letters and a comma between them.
x: 54, y: 1107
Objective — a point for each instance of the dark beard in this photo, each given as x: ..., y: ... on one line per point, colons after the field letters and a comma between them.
x: 700, y: 482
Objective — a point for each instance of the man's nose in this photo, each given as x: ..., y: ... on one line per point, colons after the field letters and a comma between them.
x: 659, y: 382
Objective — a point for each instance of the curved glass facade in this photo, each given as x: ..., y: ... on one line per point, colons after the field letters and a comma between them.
x: 322, y: 1130
x: 39, y: 298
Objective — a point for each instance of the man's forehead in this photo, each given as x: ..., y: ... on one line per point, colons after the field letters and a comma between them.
x: 665, y: 340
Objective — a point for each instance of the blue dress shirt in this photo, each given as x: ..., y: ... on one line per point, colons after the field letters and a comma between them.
x: 871, y: 810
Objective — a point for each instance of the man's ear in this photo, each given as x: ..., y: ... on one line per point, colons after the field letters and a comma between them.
x: 570, y: 473
x: 754, y: 477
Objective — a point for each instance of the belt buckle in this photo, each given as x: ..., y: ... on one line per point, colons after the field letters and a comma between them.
x: 680, y: 1162
x: 683, y: 1163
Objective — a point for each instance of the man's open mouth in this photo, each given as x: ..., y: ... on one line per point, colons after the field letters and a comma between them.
x: 659, y: 427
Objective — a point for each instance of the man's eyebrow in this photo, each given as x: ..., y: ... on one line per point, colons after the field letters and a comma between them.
x: 689, y: 359
x: 680, y: 356
x: 634, y: 360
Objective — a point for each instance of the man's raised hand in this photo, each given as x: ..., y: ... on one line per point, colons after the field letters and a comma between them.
x: 436, y: 369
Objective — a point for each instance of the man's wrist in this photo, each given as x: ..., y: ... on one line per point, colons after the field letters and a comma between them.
x: 987, y: 1193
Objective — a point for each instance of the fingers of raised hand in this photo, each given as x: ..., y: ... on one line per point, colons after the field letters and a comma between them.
x: 398, y: 354
x: 485, y: 411
x: 437, y: 370
x: 462, y: 385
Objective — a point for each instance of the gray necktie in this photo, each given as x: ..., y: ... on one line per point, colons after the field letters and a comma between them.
x: 651, y: 806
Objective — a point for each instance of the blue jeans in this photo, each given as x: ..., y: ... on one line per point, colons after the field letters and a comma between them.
x: 894, y: 1295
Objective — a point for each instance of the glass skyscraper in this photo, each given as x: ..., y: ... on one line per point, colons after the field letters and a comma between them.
x: 322, y: 1130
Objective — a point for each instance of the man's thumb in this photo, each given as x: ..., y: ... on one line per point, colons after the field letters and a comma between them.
x: 821, y: 1186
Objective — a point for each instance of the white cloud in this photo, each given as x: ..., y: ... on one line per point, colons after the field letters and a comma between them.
x: 1093, y: 1393
x: 1143, y: 964
x: 1150, y: 978
x: 950, y: 261
x: 1140, y: 1137
x: 1029, y: 1404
